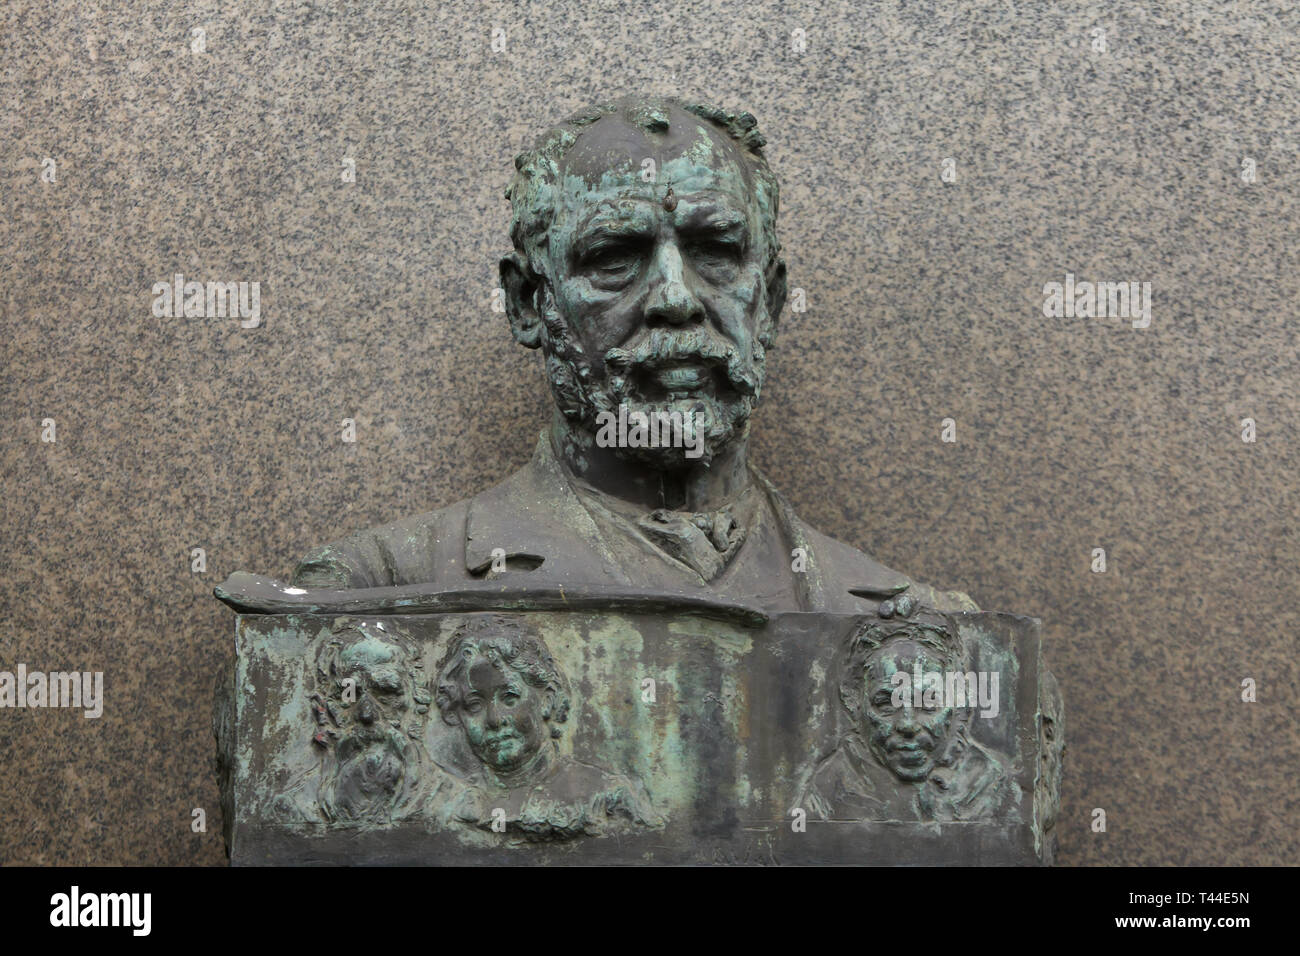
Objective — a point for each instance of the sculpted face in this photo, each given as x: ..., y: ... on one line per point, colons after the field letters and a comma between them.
x: 662, y: 295
x: 1051, y: 747
x: 905, y: 739
x: 378, y: 668
x: 503, y: 717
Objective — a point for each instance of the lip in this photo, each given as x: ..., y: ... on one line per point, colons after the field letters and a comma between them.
x: 909, y: 751
x: 682, y: 376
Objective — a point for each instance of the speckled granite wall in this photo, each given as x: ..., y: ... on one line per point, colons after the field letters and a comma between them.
x: 924, y: 302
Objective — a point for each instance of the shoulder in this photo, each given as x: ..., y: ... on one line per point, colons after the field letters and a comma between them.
x: 978, y: 786
x: 845, y: 568
x: 830, y: 775
x: 578, y: 778
x: 403, y: 552
x: 839, y: 791
x: 434, y: 546
x: 617, y: 793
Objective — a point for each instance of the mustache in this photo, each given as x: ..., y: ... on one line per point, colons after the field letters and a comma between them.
x: 657, y: 348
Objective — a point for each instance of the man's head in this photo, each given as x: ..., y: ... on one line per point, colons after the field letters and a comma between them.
x: 646, y: 264
x: 912, y: 739
x: 501, y: 686
x: 378, y: 668
x: 370, y: 674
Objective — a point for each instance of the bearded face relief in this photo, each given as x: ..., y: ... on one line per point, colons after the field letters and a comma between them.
x: 371, y: 694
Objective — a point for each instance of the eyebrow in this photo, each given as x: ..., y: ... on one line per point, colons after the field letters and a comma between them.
x: 714, y: 218
x: 612, y: 224
x: 718, y: 224
x: 706, y: 219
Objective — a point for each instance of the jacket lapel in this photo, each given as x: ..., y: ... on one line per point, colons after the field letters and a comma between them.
x: 534, y: 517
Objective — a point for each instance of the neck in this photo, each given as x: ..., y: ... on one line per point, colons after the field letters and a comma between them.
x: 694, y: 487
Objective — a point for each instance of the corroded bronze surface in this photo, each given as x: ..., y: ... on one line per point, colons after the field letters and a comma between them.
x: 623, y: 735
x: 633, y: 649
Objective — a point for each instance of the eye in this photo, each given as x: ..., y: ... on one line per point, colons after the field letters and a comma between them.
x: 510, y: 698
x: 473, y: 706
x: 612, y: 259
x: 715, y: 249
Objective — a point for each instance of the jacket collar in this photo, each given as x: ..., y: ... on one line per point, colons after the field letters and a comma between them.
x: 534, y: 514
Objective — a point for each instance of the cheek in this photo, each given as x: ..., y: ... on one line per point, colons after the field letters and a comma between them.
x: 737, y: 302
x: 745, y: 286
x: 526, y: 721
x: 937, y: 725
x: 599, y: 320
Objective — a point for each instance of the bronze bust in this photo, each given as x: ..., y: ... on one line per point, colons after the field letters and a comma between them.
x: 632, y: 650
x: 647, y: 271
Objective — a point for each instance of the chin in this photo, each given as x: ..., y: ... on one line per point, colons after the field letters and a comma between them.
x: 909, y: 772
x: 912, y: 774
x: 511, y: 759
x: 721, y: 425
x: 668, y: 459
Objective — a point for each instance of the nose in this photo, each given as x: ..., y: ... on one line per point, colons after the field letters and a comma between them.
x: 906, y: 723
x: 671, y: 301
x: 496, y: 714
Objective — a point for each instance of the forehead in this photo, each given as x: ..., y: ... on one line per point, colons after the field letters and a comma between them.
x: 484, y: 674
x: 694, y: 157
x: 901, y: 655
x: 367, y: 652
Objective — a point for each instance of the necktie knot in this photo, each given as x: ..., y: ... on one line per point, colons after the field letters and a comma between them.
x: 701, y: 539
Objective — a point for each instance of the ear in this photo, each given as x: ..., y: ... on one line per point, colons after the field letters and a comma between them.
x: 776, y: 293
x: 520, y: 283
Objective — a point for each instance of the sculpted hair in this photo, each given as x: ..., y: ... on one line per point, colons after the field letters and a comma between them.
x: 534, y: 189
x: 941, y: 638
x: 330, y: 668
x: 504, y: 643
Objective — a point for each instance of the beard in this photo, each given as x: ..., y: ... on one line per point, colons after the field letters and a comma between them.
x: 694, y: 373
